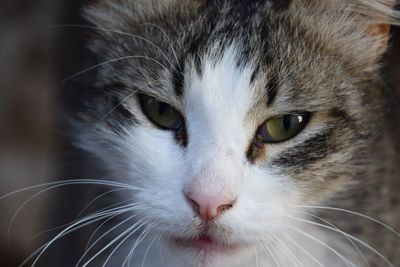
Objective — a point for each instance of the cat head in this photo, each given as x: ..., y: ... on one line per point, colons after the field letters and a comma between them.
x: 230, y: 114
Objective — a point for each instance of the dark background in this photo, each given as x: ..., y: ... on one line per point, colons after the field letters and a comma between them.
x: 34, y: 57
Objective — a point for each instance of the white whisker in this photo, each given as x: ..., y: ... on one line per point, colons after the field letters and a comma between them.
x: 148, y: 249
x: 89, y: 248
x: 124, y: 99
x: 167, y: 37
x: 293, y: 257
x: 101, y: 225
x: 141, y: 237
x: 255, y: 251
x: 344, y: 259
x: 77, y: 218
x: 349, y: 239
x: 54, y: 186
x: 353, y: 213
x: 77, y: 225
x: 302, y: 249
x: 345, y: 234
x: 111, y: 61
x: 160, y: 252
x: 72, y: 182
x: 266, y: 246
x: 133, y: 228
x: 97, y: 198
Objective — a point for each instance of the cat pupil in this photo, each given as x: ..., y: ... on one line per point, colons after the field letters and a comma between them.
x: 287, y: 122
x: 162, y: 108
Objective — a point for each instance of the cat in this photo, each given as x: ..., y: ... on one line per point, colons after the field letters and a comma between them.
x: 237, y: 133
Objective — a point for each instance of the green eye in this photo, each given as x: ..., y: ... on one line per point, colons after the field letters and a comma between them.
x: 282, y: 128
x: 160, y: 113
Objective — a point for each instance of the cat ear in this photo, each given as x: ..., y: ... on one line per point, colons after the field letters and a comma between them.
x: 378, y: 15
x: 381, y: 31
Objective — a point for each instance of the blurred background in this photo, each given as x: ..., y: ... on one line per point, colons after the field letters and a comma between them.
x: 30, y: 142
x: 27, y: 128
x: 32, y: 57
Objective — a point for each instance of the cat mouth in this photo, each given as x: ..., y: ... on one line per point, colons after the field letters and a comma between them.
x: 205, y: 242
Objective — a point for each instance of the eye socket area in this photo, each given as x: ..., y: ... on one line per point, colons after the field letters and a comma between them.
x: 283, y: 128
x: 161, y: 114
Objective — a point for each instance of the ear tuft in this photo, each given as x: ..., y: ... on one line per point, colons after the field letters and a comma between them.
x: 382, y: 31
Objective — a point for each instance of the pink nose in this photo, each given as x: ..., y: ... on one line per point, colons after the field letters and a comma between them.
x: 209, y: 207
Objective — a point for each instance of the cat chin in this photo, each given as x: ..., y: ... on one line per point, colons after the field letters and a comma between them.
x: 207, y: 245
x: 202, y: 252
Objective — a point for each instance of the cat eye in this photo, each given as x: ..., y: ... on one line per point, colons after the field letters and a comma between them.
x: 160, y: 113
x: 282, y: 128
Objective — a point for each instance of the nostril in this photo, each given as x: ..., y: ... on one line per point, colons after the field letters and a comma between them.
x: 195, y: 206
x: 223, y: 208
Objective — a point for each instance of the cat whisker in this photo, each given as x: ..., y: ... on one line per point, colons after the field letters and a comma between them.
x: 256, y: 255
x: 112, y: 61
x: 89, y: 242
x: 353, y: 213
x: 166, y: 36
x: 124, y: 99
x: 72, y: 182
x: 268, y: 249
x: 89, y: 248
x: 345, y: 234
x: 21, y: 207
x: 139, y: 240
x: 148, y: 249
x: 160, y: 250
x: 97, y: 198
x: 131, y: 229
x: 77, y: 217
x: 101, y: 225
x: 293, y: 257
x: 344, y: 259
x: 76, y: 226
x: 349, y: 239
x: 302, y: 249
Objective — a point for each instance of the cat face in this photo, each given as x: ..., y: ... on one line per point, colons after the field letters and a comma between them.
x: 229, y: 116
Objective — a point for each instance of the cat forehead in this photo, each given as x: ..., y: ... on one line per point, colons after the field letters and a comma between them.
x: 218, y: 83
x: 232, y: 76
x: 285, y: 59
x: 224, y: 86
x: 220, y: 87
